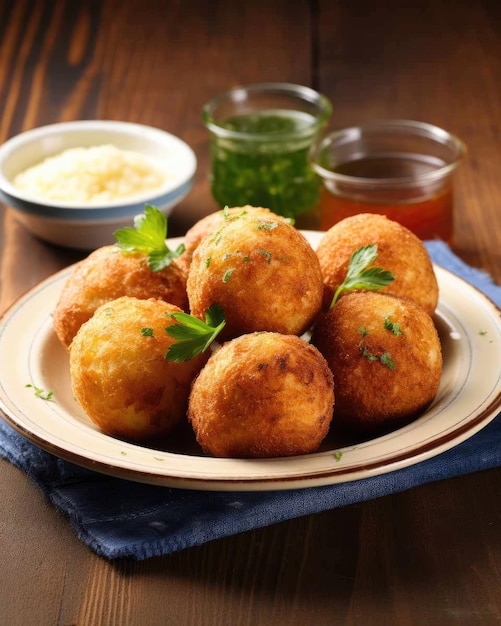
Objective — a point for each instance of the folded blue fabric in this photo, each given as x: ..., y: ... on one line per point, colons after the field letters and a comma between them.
x: 119, y: 518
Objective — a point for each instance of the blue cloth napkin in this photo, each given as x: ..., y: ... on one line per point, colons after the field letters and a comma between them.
x: 118, y: 518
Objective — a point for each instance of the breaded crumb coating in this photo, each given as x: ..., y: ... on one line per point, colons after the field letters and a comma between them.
x: 262, y: 395
x: 215, y: 220
x: 261, y: 271
x: 107, y: 274
x: 386, y: 358
x: 119, y: 373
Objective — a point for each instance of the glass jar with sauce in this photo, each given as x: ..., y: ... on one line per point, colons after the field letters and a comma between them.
x: 402, y: 169
x: 261, y: 135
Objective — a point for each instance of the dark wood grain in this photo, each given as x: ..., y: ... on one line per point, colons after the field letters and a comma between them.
x: 433, y: 62
x: 430, y: 555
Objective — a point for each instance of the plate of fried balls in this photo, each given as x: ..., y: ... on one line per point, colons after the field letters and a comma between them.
x: 250, y: 355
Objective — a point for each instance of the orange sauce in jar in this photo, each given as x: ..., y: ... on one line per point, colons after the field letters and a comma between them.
x: 425, y: 208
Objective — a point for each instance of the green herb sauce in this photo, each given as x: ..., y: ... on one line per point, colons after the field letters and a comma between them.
x: 269, y: 172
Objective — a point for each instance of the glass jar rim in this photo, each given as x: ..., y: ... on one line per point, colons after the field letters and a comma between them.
x: 300, y: 93
x: 410, y: 128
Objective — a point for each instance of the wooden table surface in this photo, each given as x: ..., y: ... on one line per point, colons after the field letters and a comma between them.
x: 430, y: 555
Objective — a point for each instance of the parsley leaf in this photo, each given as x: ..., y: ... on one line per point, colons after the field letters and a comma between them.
x: 148, y: 236
x: 387, y: 360
x: 232, y: 218
x: 227, y: 274
x: 392, y: 326
x: 359, y: 276
x: 266, y: 254
x: 192, y: 335
x: 264, y: 225
x: 41, y: 393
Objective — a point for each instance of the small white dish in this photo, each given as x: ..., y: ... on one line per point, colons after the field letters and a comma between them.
x: 80, y: 225
x: 469, y: 397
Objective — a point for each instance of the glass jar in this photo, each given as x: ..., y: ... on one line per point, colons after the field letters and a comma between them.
x: 261, y: 135
x: 399, y: 168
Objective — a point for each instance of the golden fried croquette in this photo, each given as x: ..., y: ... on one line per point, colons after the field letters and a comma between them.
x: 262, y: 395
x: 261, y: 271
x: 213, y: 221
x: 107, y: 274
x: 386, y: 358
x: 119, y: 373
x: 399, y: 251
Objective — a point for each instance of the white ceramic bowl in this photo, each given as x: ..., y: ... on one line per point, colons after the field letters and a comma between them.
x: 78, y: 225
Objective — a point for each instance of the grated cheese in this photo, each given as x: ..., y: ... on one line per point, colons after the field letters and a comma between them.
x: 91, y: 175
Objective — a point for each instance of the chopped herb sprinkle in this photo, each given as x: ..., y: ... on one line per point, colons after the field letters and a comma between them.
x: 385, y: 358
x: 216, y: 237
x: 368, y: 355
x: 231, y: 218
x: 227, y: 275
x: 263, y: 225
x: 266, y: 254
x: 147, y: 332
x: 41, y: 393
x: 392, y: 326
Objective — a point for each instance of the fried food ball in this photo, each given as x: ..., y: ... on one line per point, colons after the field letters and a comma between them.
x: 119, y: 373
x: 399, y: 251
x: 261, y: 271
x: 386, y: 358
x: 107, y: 274
x: 262, y: 395
x: 213, y: 221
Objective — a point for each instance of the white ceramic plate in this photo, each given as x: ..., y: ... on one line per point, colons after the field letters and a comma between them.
x: 469, y: 397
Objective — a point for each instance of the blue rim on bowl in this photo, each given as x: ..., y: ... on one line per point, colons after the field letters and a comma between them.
x: 89, y: 214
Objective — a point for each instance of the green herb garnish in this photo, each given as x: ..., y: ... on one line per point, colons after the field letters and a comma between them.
x: 392, y: 326
x: 231, y: 218
x: 192, y: 335
x: 41, y: 393
x: 266, y: 254
x: 148, y: 236
x: 338, y: 455
x: 263, y: 225
x: 227, y: 274
x: 368, y: 355
x: 385, y: 358
x: 147, y: 332
x: 359, y: 276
